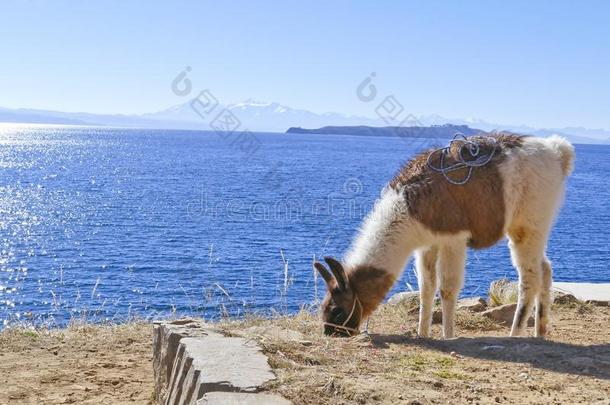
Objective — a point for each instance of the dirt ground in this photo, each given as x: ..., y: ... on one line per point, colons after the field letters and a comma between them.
x: 112, y: 364
x: 77, y: 365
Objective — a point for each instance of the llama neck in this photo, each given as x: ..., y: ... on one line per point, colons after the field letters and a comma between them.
x: 387, y: 237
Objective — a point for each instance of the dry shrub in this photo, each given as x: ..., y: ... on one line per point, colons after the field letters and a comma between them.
x: 503, y: 292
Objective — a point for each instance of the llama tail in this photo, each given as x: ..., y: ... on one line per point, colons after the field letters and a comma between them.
x: 564, y: 151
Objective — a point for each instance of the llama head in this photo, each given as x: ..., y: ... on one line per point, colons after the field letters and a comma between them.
x: 341, y: 309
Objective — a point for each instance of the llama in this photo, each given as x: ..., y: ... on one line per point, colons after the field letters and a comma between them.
x: 516, y: 193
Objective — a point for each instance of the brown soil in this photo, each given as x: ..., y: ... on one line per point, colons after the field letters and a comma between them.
x: 79, y: 365
x: 112, y: 364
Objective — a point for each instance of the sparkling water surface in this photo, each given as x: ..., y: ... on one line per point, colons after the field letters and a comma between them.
x: 108, y: 224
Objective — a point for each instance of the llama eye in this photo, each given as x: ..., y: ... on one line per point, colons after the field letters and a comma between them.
x: 337, y: 313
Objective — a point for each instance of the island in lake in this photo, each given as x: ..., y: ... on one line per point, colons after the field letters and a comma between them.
x: 434, y: 131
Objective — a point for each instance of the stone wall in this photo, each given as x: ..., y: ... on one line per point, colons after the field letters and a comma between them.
x: 196, y: 364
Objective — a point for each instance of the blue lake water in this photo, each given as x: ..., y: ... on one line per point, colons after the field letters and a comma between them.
x: 108, y: 224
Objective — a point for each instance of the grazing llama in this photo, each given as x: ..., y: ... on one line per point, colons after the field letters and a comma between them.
x: 436, y: 215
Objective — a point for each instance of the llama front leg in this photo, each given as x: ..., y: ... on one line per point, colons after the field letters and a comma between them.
x: 543, y: 303
x: 425, y: 263
x: 451, y: 267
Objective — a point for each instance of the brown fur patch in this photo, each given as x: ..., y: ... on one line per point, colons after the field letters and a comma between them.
x: 517, y: 234
x: 477, y: 206
x: 370, y: 284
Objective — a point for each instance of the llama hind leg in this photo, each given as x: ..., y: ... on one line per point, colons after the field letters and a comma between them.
x: 543, y: 303
x: 451, y: 267
x: 527, y: 252
x: 425, y: 263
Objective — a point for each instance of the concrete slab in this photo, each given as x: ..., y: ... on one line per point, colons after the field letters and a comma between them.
x: 585, y: 291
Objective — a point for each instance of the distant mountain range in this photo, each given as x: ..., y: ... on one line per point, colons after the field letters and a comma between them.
x: 271, y: 117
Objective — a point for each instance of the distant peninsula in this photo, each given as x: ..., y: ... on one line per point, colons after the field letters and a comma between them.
x: 433, y: 131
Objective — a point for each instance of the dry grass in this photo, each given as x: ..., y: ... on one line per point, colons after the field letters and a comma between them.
x: 472, y: 321
x: 502, y: 292
x: 393, y: 365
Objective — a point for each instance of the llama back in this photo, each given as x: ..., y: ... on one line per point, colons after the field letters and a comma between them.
x: 534, y: 176
x: 549, y: 157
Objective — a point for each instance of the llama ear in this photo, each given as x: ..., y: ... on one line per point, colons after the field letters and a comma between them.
x: 324, y: 272
x: 337, y: 270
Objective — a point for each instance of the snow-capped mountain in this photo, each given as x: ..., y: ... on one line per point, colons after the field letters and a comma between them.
x: 260, y: 116
x: 271, y: 117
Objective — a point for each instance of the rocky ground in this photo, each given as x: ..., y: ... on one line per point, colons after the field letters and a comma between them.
x: 113, y: 364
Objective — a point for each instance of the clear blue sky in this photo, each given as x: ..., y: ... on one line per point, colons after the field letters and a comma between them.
x: 542, y: 63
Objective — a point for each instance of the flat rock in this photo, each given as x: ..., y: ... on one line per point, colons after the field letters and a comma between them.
x: 239, y: 398
x: 504, y: 314
x: 406, y: 297
x: 275, y: 333
x: 191, y: 359
x: 474, y: 304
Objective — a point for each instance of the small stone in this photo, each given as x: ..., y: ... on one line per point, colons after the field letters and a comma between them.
x: 437, y: 316
x: 474, y: 304
x: 504, y: 314
x: 438, y: 384
x: 497, y: 399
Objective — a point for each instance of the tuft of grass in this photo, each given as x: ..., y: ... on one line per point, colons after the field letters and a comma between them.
x: 467, y: 320
x: 503, y: 292
x: 436, y: 365
x: 30, y: 333
x: 422, y: 361
x: 416, y: 362
x: 452, y: 375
